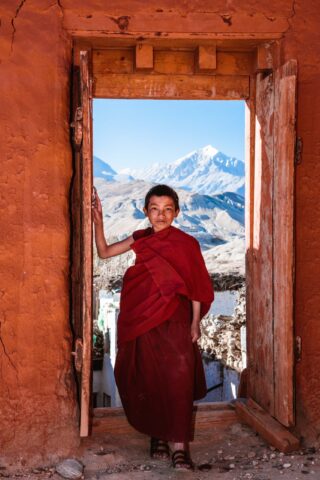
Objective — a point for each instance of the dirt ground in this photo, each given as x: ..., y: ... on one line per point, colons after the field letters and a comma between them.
x: 234, y: 454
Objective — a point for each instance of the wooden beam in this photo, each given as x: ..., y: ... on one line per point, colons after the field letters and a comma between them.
x: 144, y: 57
x: 239, y: 42
x: 171, y: 61
x: 165, y: 22
x: 269, y: 429
x: 264, y: 59
x: 206, y: 87
x: 207, y: 58
x: 206, y: 418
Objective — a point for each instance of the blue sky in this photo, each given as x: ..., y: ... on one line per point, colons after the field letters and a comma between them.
x: 138, y: 133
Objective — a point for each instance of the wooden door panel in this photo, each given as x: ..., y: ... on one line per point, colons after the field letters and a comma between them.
x: 82, y: 235
x: 270, y: 329
x: 86, y: 235
x: 76, y: 249
x: 270, y: 259
x: 261, y: 318
x: 283, y: 222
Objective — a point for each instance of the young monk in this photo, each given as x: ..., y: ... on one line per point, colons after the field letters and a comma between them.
x: 158, y: 370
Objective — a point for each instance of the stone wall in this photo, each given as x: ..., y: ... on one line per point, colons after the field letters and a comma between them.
x: 221, y: 335
x: 37, y: 398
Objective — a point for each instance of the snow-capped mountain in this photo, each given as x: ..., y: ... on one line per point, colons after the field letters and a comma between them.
x: 210, y: 186
x: 102, y: 169
x: 214, y: 220
x: 206, y: 171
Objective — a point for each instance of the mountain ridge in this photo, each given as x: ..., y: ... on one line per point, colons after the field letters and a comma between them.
x: 206, y: 171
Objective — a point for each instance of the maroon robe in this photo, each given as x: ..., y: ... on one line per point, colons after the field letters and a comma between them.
x: 158, y: 369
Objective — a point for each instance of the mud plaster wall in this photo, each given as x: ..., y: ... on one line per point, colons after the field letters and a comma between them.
x: 37, y: 403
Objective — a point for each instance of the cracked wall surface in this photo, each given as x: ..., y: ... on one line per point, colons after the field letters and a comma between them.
x: 37, y: 390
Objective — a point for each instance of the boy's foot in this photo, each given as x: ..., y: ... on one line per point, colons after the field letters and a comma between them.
x: 159, y: 449
x: 181, y: 460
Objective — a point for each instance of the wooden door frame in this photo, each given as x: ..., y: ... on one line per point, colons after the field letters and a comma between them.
x: 264, y: 54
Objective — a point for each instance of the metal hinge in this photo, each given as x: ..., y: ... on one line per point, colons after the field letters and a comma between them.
x: 297, y: 349
x: 78, y: 354
x: 298, y: 151
x: 77, y: 126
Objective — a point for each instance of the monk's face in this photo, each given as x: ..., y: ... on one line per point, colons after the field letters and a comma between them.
x: 161, y: 212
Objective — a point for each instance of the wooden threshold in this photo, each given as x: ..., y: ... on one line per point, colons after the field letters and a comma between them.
x: 207, y: 417
x: 270, y: 430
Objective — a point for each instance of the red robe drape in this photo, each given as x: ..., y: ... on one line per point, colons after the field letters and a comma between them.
x: 168, y: 264
x: 158, y: 369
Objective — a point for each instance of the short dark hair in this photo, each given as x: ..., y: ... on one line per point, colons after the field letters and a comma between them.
x: 160, y: 191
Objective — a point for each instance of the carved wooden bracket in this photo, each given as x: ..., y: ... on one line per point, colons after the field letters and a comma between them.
x: 144, y: 57
x: 207, y: 58
x: 264, y: 57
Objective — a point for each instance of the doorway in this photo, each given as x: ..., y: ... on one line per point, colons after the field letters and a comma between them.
x: 196, y: 147
x: 205, y: 71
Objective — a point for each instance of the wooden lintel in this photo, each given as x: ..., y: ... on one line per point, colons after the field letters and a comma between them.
x: 272, y: 431
x: 207, y: 58
x: 171, y: 61
x: 101, y: 39
x: 264, y: 59
x: 187, y: 87
x: 206, y: 418
x: 144, y: 57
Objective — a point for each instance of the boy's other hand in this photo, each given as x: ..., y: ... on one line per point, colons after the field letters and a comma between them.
x: 195, y: 330
x: 96, y: 208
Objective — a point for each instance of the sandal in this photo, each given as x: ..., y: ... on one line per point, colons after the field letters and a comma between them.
x: 181, y: 460
x: 159, y: 449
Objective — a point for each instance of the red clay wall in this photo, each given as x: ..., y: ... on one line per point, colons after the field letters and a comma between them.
x: 37, y: 404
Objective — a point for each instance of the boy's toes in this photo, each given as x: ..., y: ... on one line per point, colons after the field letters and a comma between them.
x: 181, y: 460
x: 159, y: 449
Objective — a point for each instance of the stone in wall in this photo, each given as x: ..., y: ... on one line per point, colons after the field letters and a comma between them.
x: 221, y: 339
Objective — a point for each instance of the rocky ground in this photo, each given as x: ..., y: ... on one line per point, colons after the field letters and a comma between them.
x: 235, y: 454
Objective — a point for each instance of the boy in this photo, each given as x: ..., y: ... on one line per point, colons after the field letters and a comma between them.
x: 158, y: 369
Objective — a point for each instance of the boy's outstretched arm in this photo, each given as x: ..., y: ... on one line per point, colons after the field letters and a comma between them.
x: 105, y: 250
x: 195, y: 325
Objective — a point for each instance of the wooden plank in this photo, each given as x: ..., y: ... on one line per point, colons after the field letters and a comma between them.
x: 86, y: 184
x: 121, y: 60
x: 269, y: 429
x: 207, y: 58
x: 174, y: 61
x: 76, y: 255
x: 250, y: 122
x: 235, y: 63
x: 234, y: 42
x: 260, y: 340
x: 113, y: 60
x: 171, y: 87
x: 283, y: 240
x: 144, y: 57
x: 166, y: 23
x: 205, y: 419
x: 264, y: 57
